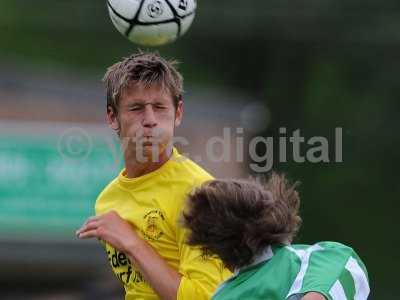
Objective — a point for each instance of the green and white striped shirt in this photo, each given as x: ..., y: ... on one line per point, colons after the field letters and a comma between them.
x: 288, y: 272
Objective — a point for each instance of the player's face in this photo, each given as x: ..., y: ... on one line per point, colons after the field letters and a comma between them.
x: 147, y: 118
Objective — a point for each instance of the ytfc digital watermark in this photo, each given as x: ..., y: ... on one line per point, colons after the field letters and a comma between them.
x: 260, y: 152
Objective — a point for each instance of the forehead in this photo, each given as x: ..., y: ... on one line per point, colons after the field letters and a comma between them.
x: 140, y: 93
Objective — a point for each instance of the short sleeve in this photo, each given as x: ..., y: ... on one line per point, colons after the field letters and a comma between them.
x: 201, y: 274
x: 333, y: 270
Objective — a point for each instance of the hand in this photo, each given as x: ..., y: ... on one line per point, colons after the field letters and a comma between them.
x: 110, y: 228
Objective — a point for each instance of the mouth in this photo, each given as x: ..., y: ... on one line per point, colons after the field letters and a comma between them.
x: 148, y: 141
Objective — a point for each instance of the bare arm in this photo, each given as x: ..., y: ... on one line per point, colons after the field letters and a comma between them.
x: 161, y: 277
x: 111, y: 228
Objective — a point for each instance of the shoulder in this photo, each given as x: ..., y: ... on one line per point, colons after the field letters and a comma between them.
x: 325, y: 267
x: 104, y: 200
x: 325, y: 256
x: 183, y: 176
x: 185, y: 165
x: 185, y: 172
x: 326, y: 248
x: 336, y: 246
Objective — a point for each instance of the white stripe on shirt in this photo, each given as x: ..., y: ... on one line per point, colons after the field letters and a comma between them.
x: 304, y: 256
x: 360, y: 279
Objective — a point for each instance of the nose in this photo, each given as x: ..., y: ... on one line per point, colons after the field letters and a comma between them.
x: 149, y: 118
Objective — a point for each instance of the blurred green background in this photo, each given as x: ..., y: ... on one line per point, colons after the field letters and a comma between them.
x: 315, y: 66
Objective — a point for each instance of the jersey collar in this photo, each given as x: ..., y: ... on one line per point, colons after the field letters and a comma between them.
x: 264, y: 256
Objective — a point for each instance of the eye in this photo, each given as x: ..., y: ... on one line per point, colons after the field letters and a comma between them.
x: 160, y: 106
x: 135, y: 108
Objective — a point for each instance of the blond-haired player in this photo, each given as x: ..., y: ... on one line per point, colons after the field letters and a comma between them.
x: 137, y: 213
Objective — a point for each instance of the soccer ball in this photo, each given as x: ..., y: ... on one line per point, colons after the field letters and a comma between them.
x: 152, y: 22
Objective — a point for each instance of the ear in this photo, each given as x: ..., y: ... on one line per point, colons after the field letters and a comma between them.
x: 179, y: 113
x: 112, y: 119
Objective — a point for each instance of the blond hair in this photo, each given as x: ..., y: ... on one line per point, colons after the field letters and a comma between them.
x: 145, y: 68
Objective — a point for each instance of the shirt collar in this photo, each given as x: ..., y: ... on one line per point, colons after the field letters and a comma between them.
x: 264, y: 256
x: 148, y: 179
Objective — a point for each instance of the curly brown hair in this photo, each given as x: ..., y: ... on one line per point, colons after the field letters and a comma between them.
x: 238, y: 219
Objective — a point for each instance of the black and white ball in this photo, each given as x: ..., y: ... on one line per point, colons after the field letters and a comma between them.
x: 152, y: 22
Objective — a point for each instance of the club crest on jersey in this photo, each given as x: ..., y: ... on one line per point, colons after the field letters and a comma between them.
x: 183, y: 4
x: 155, y: 9
x: 152, y: 224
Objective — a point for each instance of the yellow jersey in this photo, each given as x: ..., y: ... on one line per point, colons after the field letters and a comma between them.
x: 153, y: 203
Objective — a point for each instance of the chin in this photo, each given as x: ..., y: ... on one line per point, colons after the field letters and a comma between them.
x: 152, y: 152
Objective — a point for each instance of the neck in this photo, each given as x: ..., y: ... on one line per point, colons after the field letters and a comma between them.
x: 135, y: 168
x: 266, y: 254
